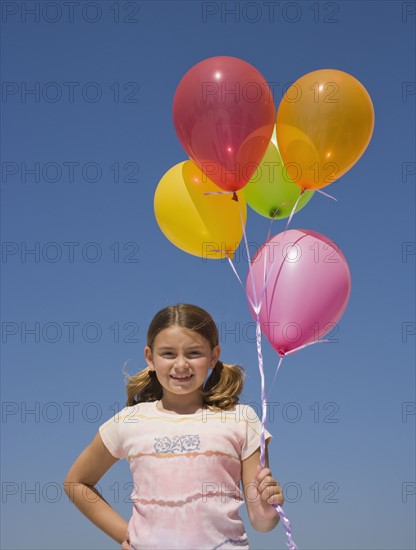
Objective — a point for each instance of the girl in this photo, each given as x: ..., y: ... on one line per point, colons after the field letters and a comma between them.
x: 189, y: 444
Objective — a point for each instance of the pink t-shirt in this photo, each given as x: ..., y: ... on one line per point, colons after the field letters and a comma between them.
x: 186, y: 474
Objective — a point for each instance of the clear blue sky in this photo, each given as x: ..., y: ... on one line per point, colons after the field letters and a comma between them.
x: 99, y: 131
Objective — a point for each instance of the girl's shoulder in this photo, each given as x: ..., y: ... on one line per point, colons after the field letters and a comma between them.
x: 243, y: 411
x: 132, y: 411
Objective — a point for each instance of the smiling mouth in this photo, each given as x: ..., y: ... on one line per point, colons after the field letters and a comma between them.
x: 187, y: 377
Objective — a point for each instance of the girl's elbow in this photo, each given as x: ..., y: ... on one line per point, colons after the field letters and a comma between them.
x: 70, y: 484
x: 266, y: 529
x: 263, y: 526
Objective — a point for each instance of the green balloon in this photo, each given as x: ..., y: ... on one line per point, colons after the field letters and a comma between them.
x: 271, y: 192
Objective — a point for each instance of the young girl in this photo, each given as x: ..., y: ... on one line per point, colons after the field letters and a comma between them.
x: 189, y: 444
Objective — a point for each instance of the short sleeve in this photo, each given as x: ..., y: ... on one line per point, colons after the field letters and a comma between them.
x: 111, y: 435
x: 253, y: 431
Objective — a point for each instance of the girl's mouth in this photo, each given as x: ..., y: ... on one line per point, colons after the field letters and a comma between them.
x: 181, y: 378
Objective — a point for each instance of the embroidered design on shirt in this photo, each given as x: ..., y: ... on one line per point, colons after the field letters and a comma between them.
x: 177, y: 444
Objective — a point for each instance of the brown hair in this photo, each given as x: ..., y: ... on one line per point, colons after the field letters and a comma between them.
x: 223, y: 386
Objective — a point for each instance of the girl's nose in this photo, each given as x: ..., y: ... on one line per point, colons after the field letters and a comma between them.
x: 180, y: 361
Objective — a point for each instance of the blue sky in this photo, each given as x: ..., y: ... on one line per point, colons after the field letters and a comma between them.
x: 81, y: 159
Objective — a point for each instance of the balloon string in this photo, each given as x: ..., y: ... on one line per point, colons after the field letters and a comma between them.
x: 270, y: 229
x: 286, y: 522
x: 258, y: 303
x: 293, y: 211
x: 298, y: 199
x: 323, y: 193
x: 287, y: 526
x: 253, y: 304
x: 256, y: 308
x: 306, y: 345
x: 275, y: 374
x: 235, y: 273
x: 290, y: 353
x: 266, y: 278
x: 239, y: 280
x: 263, y: 392
x: 274, y: 214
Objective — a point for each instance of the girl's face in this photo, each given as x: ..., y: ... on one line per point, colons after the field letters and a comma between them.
x: 181, y: 359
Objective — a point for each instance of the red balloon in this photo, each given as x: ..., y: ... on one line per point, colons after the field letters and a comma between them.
x: 223, y: 111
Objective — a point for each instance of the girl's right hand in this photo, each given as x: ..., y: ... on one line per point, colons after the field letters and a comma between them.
x: 125, y: 545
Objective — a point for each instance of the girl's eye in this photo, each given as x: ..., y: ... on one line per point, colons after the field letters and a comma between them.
x: 171, y: 354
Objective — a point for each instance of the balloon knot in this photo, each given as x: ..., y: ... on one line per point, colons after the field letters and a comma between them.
x: 281, y: 352
x: 234, y: 197
x: 273, y: 212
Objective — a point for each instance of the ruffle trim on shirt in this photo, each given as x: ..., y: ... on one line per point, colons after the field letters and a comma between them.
x: 191, y: 498
x: 234, y: 542
x: 182, y: 455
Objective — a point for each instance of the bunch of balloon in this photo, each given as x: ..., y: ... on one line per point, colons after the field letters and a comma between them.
x: 298, y: 283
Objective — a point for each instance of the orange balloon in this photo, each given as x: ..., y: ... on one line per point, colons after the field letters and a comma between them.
x: 324, y: 123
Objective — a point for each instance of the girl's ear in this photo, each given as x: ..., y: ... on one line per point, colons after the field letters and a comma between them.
x: 215, y: 355
x: 149, y: 357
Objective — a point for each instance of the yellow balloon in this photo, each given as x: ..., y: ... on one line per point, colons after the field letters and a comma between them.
x: 324, y: 123
x: 203, y: 225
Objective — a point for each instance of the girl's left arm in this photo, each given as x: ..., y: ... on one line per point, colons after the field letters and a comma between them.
x: 261, y: 490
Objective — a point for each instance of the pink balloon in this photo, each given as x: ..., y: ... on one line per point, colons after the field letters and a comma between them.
x: 307, y: 291
x: 224, y: 115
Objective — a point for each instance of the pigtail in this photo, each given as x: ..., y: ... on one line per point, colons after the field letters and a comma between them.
x: 223, y: 386
x: 143, y: 386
